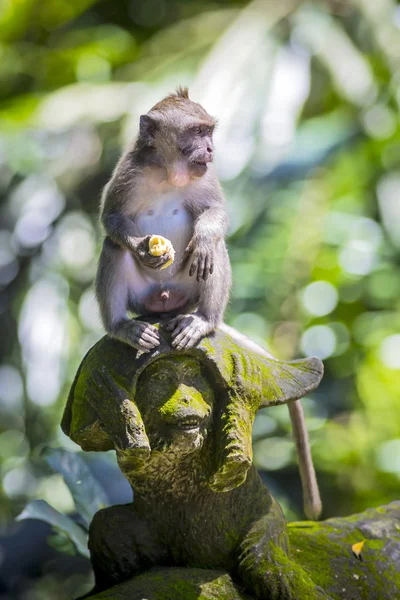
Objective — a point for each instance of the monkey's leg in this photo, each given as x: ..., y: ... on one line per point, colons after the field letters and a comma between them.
x: 187, y: 330
x: 265, y: 567
x: 116, y: 273
x: 121, y: 545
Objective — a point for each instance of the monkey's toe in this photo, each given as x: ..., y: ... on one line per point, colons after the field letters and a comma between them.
x: 186, y: 336
x: 145, y: 337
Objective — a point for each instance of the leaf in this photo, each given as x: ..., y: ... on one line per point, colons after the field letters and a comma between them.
x: 88, y: 494
x: 39, y: 509
x: 356, y: 549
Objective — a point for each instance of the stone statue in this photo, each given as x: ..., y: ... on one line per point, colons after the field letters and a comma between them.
x: 181, y: 424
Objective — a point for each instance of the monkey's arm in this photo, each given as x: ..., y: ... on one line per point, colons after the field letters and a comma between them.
x: 121, y: 230
x: 212, y: 224
x: 118, y: 197
x: 210, y: 227
x: 207, y: 204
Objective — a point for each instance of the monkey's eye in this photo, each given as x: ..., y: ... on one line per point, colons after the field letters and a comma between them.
x: 197, y: 130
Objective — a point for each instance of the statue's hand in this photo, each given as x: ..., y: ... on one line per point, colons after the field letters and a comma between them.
x: 120, y: 416
x: 237, y: 420
x: 230, y: 475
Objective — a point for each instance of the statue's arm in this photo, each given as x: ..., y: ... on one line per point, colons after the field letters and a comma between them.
x: 234, y: 438
x: 118, y: 414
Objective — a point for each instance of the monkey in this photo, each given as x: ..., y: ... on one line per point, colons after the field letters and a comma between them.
x: 165, y: 184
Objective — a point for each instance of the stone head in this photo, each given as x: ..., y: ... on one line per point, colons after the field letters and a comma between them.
x: 175, y: 401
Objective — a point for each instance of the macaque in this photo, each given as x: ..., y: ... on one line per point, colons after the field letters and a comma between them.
x: 165, y: 184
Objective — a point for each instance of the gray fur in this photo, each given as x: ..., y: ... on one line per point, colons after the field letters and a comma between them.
x: 165, y: 185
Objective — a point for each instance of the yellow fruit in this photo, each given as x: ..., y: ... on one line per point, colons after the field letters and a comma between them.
x: 159, y: 245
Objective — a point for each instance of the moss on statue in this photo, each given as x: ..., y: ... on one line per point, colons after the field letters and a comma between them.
x: 322, y: 549
x: 177, y: 583
x: 181, y: 424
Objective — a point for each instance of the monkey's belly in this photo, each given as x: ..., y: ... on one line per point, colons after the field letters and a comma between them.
x: 166, y: 299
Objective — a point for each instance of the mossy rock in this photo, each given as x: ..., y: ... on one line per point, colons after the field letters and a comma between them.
x: 176, y: 583
x: 324, y: 550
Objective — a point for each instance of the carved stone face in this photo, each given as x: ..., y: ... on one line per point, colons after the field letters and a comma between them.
x: 175, y: 401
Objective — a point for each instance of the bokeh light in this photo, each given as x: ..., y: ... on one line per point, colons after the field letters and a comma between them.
x: 307, y: 149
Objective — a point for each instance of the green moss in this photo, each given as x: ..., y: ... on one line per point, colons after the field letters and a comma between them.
x: 176, y: 584
x: 177, y: 400
x: 208, y: 346
x: 324, y: 550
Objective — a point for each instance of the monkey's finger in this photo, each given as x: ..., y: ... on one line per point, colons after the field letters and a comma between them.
x: 157, y: 261
x: 193, y: 267
x: 143, y: 345
x: 189, y: 248
x: 200, y: 270
x: 179, y: 327
x: 177, y: 340
x: 151, y: 335
x: 212, y: 265
x: 206, y: 271
x: 187, y: 341
x: 180, y: 342
x: 150, y: 328
x: 145, y: 241
x: 152, y: 339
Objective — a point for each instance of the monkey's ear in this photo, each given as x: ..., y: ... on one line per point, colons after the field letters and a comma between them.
x: 147, y: 127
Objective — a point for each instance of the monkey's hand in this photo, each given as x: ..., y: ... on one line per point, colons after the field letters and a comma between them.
x: 141, y: 251
x: 202, y: 257
x: 187, y: 330
x: 141, y: 335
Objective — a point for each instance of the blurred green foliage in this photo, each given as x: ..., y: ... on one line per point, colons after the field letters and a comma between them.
x: 308, y: 150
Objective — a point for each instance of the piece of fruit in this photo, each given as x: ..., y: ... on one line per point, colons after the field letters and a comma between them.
x: 159, y: 245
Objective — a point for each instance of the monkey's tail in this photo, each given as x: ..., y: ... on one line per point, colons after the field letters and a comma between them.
x: 311, y: 496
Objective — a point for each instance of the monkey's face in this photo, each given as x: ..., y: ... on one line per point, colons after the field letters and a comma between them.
x: 176, y: 404
x: 179, y: 140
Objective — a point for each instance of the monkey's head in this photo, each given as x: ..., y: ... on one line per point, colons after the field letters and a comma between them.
x: 176, y: 138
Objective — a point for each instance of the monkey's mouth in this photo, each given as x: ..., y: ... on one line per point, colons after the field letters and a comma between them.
x: 198, y: 168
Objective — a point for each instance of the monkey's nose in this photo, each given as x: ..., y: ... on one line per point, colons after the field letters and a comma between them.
x: 209, y: 149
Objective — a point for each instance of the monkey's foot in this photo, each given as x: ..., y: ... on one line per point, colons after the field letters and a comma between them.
x: 140, y: 335
x: 187, y: 330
